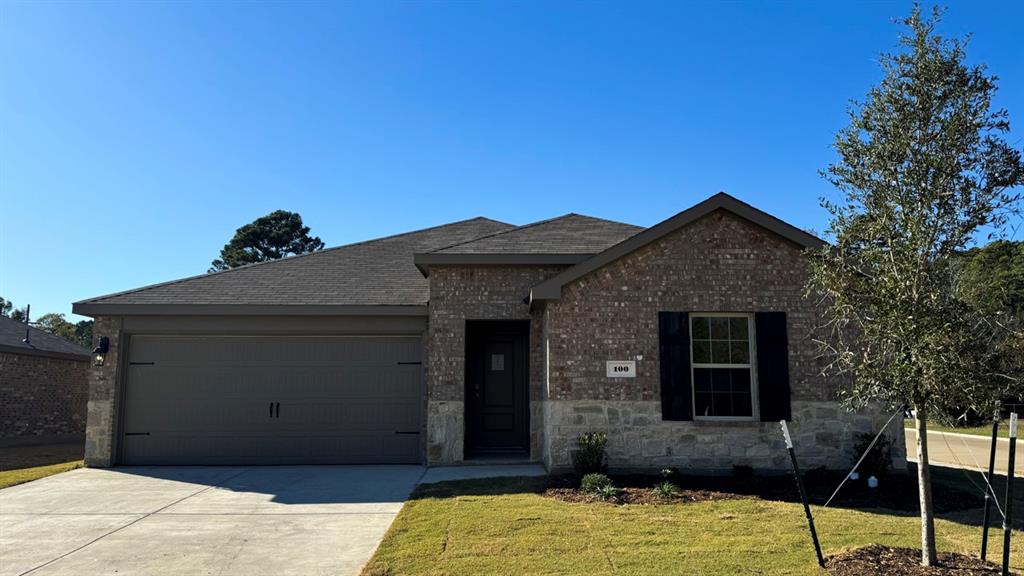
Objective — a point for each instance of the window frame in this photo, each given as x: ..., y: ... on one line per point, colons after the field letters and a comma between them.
x: 751, y: 365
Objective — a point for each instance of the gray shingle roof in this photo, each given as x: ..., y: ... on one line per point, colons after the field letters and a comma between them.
x: 373, y: 273
x: 12, y: 334
x: 569, y: 234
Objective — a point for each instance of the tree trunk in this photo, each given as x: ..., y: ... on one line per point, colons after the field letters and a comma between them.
x: 924, y: 484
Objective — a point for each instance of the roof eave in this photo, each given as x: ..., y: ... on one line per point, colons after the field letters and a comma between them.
x: 43, y: 353
x: 113, y: 309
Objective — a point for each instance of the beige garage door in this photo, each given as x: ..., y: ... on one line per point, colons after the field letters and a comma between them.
x: 272, y: 400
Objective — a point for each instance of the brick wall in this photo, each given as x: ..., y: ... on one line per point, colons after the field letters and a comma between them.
x: 720, y: 263
x: 458, y: 294
x: 42, y: 397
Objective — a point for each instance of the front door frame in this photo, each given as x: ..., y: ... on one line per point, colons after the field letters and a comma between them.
x: 478, y: 334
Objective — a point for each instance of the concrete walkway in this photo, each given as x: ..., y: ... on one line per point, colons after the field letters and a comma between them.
x: 245, y: 521
x: 964, y: 451
x: 473, y: 472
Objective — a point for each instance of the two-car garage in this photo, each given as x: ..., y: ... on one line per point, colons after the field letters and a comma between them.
x: 271, y: 399
x: 310, y: 359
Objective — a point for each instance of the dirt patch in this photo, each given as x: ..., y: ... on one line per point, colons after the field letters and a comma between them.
x: 882, y: 560
x: 641, y: 496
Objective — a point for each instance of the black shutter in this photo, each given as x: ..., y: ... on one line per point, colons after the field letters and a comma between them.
x: 674, y: 347
x: 772, y: 366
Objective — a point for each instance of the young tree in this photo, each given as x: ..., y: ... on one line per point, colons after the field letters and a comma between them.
x: 5, y: 307
x: 276, y: 235
x: 922, y: 170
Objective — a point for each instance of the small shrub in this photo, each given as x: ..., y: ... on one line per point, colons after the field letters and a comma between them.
x: 878, y: 462
x: 608, y: 492
x: 595, y: 481
x: 590, y: 455
x: 665, y: 490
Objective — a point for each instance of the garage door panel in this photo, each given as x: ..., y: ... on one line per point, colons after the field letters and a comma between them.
x: 272, y: 400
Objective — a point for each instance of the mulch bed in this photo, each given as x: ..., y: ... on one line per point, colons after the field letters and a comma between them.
x: 896, y: 492
x: 643, y: 496
x: 878, y: 560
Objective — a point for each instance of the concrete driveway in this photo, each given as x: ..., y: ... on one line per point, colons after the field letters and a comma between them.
x: 245, y: 521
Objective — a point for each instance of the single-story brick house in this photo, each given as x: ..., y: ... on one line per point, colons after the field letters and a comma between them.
x: 43, y: 386
x: 687, y: 342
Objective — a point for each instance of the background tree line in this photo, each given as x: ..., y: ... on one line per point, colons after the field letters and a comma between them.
x: 55, y: 323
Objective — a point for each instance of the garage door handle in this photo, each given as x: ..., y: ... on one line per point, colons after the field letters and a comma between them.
x: 278, y: 415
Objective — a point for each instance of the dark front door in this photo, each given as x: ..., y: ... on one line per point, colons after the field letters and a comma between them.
x: 497, y: 396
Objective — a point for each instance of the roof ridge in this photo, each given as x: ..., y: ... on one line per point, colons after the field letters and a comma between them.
x: 284, y: 259
x: 610, y: 221
x: 500, y: 232
x: 530, y: 225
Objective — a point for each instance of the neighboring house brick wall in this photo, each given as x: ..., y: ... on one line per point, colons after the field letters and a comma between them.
x: 458, y: 294
x: 104, y: 394
x: 719, y: 263
x: 42, y: 397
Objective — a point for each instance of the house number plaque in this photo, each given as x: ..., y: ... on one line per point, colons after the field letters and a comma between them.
x: 620, y: 368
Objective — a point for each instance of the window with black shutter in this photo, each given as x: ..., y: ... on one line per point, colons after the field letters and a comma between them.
x: 728, y: 366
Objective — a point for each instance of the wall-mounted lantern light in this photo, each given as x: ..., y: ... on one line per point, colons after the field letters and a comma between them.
x: 99, y: 353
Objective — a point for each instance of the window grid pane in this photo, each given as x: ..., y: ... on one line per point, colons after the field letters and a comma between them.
x: 721, y: 366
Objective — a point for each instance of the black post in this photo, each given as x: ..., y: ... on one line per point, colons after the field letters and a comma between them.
x: 988, y: 490
x: 803, y: 493
x: 1008, y: 519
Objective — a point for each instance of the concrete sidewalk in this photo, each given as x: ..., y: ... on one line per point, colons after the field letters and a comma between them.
x: 964, y: 451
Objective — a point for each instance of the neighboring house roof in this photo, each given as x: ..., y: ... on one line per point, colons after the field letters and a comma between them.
x: 372, y: 277
x: 40, y: 343
x: 567, y: 239
x: 551, y: 289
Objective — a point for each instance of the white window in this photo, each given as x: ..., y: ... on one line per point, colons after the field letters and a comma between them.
x: 722, y: 365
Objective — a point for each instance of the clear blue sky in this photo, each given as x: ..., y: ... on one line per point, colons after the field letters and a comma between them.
x: 135, y: 138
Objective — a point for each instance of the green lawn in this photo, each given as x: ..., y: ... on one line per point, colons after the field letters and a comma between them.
x: 986, y: 430
x: 22, y: 475
x: 499, y: 527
